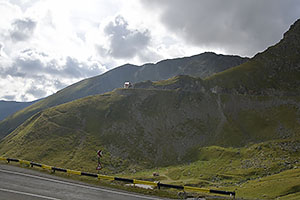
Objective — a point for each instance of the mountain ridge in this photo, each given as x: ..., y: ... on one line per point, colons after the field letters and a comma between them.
x: 205, y: 63
x: 276, y: 71
x: 9, y: 107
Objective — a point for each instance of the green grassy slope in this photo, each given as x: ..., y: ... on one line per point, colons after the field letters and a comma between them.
x: 150, y: 127
x: 199, y: 65
x: 117, y: 121
x: 265, y: 170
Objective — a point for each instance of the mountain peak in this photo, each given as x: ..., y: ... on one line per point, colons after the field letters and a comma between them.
x: 276, y: 71
x: 294, y: 30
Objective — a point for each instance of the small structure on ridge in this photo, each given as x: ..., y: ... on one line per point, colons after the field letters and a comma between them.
x: 127, y: 84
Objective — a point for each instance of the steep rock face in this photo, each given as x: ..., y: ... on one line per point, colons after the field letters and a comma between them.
x: 275, y: 71
x: 200, y: 65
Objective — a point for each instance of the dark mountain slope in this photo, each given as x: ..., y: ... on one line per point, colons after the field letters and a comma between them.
x: 9, y: 107
x: 199, y: 65
x: 275, y: 71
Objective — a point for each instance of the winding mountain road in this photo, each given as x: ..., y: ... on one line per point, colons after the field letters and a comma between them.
x: 24, y: 184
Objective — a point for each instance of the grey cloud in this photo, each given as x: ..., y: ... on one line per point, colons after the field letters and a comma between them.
x: 73, y: 68
x: 77, y: 69
x: 1, y: 47
x: 101, y: 50
x: 36, y: 92
x: 9, y: 97
x: 13, y: 71
x: 81, y: 35
x: 59, y: 85
x: 22, y: 29
x: 32, y: 64
x: 43, y: 73
x: 23, y: 66
x: 242, y: 27
x: 24, y: 98
x: 32, y: 52
x: 124, y: 42
x: 149, y: 56
x: 24, y: 5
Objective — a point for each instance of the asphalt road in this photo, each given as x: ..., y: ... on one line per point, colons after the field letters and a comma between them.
x: 19, y: 183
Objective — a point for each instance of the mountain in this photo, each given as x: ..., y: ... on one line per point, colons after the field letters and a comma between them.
x: 244, y: 133
x: 182, y: 111
x: 276, y: 71
x: 200, y: 66
x: 9, y: 107
x: 151, y: 127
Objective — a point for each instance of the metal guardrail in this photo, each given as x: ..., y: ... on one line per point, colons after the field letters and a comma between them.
x: 111, y: 178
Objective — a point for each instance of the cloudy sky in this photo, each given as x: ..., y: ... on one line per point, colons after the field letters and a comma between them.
x: 46, y: 45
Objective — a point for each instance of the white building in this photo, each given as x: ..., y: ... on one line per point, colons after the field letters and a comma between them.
x: 127, y: 84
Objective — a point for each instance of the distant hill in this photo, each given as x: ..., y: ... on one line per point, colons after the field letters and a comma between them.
x: 9, y: 107
x: 201, y: 65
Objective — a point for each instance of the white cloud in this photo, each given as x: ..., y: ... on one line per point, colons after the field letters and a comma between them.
x: 22, y: 29
x: 32, y: 71
x: 1, y: 47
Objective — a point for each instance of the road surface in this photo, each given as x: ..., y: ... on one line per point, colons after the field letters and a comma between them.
x: 25, y: 184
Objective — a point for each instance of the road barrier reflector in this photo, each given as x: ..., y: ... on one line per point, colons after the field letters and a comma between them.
x: 24, y: 162
x: 69, y: 171
x: 2, y: 158
x: 46, y: 167
x: 196, y: 189
x: 106, y: 177
x: 144, y: 182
